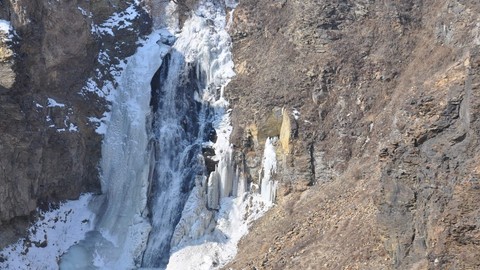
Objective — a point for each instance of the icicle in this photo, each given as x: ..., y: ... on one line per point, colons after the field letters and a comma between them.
x: 212, y: 191
x: 235, y: 183
x: 226, y: 181
x: 242, y: 185
x: 196, y: 219
x: 268, y: 185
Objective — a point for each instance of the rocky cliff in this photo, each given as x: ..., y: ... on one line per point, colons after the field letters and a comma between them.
x: 376, y: 108
x: 48, y: 144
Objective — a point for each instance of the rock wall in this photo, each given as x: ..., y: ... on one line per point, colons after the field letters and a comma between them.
x: 375, y: 105
x: 376, y: 108
x: 49, y: 148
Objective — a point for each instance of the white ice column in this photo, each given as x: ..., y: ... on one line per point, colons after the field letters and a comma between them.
x: 213, y: 195
x: 227, y: 174
x: 268, y: 185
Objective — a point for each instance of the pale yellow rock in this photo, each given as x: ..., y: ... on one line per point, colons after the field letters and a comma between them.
x: 242, y: 68
x: 7, y: 75
x: 253, y: 130
x: 285, y: 132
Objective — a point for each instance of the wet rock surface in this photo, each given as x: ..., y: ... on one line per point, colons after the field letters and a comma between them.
x: 376, y: 107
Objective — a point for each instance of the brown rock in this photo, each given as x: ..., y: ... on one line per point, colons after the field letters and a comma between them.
x: 395, y: 82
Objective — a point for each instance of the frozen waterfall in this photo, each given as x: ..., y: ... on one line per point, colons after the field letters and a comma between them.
x: 122, y: 226
x: 268, y: 186
x: 189, y: 104
x: 171, y: 195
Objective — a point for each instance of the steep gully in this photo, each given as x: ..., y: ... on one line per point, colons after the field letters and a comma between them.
x: 167, y: 178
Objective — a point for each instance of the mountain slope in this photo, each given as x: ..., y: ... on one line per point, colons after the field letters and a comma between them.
x: 376, y: 107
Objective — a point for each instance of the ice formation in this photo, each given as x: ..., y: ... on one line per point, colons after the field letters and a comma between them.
x: 50, y: 237
x: 269, y: 185
x: 191, y: 99
x: 162, y: 206
x: 122, y: 227
x: 53, y: 103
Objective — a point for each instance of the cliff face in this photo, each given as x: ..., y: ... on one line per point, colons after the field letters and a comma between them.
x: 50, y: 150
x: 376, y: 107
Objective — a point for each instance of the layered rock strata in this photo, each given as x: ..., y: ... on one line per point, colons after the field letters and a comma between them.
x: 375, y: 107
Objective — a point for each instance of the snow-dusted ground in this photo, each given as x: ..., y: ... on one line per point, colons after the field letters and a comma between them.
x: 50, y: 237
x: 118, y: 20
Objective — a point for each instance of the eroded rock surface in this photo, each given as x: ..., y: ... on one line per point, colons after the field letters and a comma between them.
x: 377, y: 107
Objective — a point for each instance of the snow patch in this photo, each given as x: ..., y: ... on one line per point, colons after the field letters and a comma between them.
x: 100, y: 123
x: 119, y: 20
x: 103, y: 58
x: 85, y: 13
x: 215, y: 249
x: 106, y: 91
x: 53, y: 103
x: 296, y: 114
x: 6, y: 28
x: 66, y: 125
x: 50, y: 237
x: 72, y: 128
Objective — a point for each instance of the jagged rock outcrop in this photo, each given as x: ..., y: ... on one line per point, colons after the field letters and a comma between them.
x: 376, y: 106
x: 49, y: 147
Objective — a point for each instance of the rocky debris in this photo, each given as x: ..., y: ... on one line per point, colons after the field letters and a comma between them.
x: 315, y: 229
x: 50, y: 150
x: 386, y: 97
